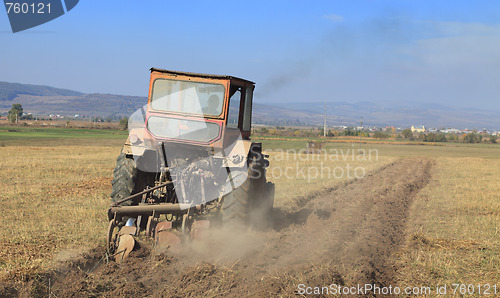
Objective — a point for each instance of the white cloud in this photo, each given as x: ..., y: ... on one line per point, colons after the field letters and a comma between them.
x: 335, y: 18
x: 464, y: 29
x: 458, y: 64
x: 461, y: 46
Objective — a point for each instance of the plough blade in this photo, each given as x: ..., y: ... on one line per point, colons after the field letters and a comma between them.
x: 164, y: 236
x: 126, y: 244
x: 200, y: 230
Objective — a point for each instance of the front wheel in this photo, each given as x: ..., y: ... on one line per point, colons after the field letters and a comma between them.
x: 128, y: 180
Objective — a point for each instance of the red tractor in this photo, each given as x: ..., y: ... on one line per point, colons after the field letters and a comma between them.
x: 188, y: 162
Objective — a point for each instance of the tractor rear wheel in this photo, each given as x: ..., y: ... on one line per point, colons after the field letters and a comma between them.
x: 236, y: 204
x: 252, y: 202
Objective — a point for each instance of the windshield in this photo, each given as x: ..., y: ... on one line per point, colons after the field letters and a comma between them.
x: 187, y: 97
x: 183, y: 129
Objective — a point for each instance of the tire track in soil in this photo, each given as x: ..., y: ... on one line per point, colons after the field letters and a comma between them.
x: 344, y: 235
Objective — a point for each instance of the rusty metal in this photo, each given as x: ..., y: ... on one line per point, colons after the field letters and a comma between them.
x: 198, y: 75
x: 164, y: 237
x: 199, y: 230
x: 139, y: 218
x: 114, y: 204
x: 126, y: 244
x: 127, y: 230
x: 147, y: 210
x: 162, y: 226
x: 184, y: 221
x: 111, y: 233
x: 151, y: 226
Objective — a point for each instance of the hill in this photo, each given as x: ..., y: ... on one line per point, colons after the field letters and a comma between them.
x: 45, y: 100
x: 396, y: 114
x: 9, y: 91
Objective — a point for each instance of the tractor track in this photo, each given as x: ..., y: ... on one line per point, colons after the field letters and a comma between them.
x: 346, y: 235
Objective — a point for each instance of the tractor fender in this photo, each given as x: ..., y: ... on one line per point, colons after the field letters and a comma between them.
x: 237, y: 155
x: 136, y: 142
x: 129, y: 149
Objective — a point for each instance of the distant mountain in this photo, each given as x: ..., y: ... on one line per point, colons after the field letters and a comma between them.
x: 45, y: 100
x: 9, y: 91
x: 395, y: 114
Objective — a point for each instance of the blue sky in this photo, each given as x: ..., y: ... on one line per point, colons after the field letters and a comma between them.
x: 445, y: 52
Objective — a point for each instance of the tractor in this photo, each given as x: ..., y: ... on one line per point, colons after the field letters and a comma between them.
x: 188, y: 163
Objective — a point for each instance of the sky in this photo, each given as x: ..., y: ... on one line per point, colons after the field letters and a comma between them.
x: 402, y: 52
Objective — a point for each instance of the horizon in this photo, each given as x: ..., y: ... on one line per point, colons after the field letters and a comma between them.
x: 343, y: 113
x: 278, y: 104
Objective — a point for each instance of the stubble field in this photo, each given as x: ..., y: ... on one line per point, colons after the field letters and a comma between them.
x: 406, y: 216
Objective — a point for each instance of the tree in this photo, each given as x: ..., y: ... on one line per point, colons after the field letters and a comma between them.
x: 471, y: 138
x: 452, y: 137
x: 431, y: 137
x: 15, y: 112
x: 124, y: 123
x: 493, y: 139
x: 349, y: 131
x: 407, y: 133
x: 440, y: 137
x: 380, y: 135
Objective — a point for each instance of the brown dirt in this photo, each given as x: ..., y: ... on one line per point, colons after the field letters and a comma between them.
x: 344, y: 235
x: 84, y: 188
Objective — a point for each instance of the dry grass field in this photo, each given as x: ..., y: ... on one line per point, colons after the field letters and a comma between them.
x: 297, y: 174
x: 454, y: 226
x: 55, y: 194
x: 53, y: 201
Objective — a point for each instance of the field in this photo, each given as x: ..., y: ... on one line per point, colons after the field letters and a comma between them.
x: 416, y: 216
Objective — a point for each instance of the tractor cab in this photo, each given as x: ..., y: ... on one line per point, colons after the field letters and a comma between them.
x: 198, y: 109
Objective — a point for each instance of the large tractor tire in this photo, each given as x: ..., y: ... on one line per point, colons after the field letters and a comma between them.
x: 261, y: 211
x: 128, y: 180
x: 235, y: 206
x: 251, y: 203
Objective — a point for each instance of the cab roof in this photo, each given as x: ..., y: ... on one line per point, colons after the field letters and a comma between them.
x: 199, y: 75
